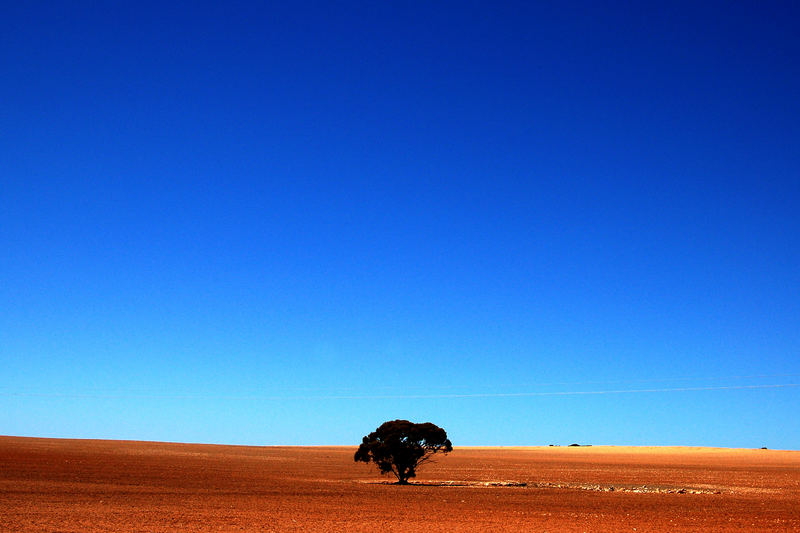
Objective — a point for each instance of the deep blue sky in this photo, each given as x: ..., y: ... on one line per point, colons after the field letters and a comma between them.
x: 285, y: 224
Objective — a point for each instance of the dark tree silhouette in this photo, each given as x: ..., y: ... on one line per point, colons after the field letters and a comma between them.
x: 400, y: 447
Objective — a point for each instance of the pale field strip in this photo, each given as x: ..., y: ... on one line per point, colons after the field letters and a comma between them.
x: 639, y: 489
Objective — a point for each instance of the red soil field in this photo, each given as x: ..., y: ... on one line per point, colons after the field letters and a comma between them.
x: 82, y: 485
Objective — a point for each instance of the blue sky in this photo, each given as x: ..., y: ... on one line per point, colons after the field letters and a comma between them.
x: 286, y: 223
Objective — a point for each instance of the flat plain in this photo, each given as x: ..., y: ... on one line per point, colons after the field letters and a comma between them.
x: 93, y: 485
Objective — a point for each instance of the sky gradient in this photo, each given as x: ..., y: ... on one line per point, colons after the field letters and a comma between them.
x: 263, y: 223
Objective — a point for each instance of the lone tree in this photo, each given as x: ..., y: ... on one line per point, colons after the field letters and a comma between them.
x: 400, y: 447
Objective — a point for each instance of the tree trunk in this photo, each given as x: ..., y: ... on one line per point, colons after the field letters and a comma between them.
x: 402, y: 477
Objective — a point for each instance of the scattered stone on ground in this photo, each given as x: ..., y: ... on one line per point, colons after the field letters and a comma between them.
x: 641, y: 489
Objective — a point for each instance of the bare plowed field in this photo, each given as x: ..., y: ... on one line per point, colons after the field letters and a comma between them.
x: 74, y: 485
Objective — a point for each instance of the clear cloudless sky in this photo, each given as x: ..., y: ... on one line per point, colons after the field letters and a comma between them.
x: 285, y: 223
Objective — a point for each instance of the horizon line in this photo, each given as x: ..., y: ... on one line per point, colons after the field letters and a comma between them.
x: 355, y: 445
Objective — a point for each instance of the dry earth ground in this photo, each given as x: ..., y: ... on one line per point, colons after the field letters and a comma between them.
x: 79, y: 485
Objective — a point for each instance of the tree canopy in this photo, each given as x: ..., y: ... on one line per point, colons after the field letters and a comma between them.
x: 401, y: 447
